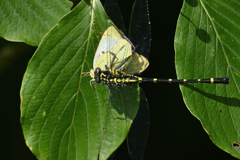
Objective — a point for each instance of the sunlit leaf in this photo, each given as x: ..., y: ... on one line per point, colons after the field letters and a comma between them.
x: 29, y: 20
x: 62, y: 116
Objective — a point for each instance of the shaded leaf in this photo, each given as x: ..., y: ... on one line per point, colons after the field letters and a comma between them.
x: 207, y: 45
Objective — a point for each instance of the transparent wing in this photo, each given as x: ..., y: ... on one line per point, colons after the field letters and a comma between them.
x: 140, y: 28
x: 120, y: 109
x: 138, y: 134
x: 113, y: 11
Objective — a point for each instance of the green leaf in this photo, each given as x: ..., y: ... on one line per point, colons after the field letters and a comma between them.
x: 29, y: 20
x: 207, y: 45
x: 62, y: 116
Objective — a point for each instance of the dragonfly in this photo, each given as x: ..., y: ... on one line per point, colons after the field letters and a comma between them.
x: 115, y: 64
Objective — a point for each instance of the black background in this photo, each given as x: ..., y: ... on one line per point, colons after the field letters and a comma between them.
x: 174, y: 132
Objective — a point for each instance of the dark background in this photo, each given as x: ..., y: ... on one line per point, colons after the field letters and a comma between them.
x: 174, y: 132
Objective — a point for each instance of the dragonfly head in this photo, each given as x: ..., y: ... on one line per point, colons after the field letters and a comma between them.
x: 96, y: 74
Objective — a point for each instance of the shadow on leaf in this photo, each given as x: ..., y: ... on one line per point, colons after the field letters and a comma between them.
x: 192, y: 3
x: 201, y: 33
x: 224, y: 100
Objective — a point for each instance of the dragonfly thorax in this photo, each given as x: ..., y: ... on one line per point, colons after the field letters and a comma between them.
x: 114, y: 78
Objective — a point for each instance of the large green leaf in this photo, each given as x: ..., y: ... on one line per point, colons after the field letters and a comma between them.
x: 207, y: 45
x: 29, y: 20
x: 62, y: 116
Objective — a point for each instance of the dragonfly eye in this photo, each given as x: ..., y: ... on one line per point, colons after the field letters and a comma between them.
x: 97, y: 74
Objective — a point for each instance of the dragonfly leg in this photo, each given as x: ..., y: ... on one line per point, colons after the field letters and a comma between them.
x: 114, y: 56
x: 123, y: 62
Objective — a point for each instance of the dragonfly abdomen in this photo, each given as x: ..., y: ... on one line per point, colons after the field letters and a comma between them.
x: 120, y: 79
x: 223, y: 80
